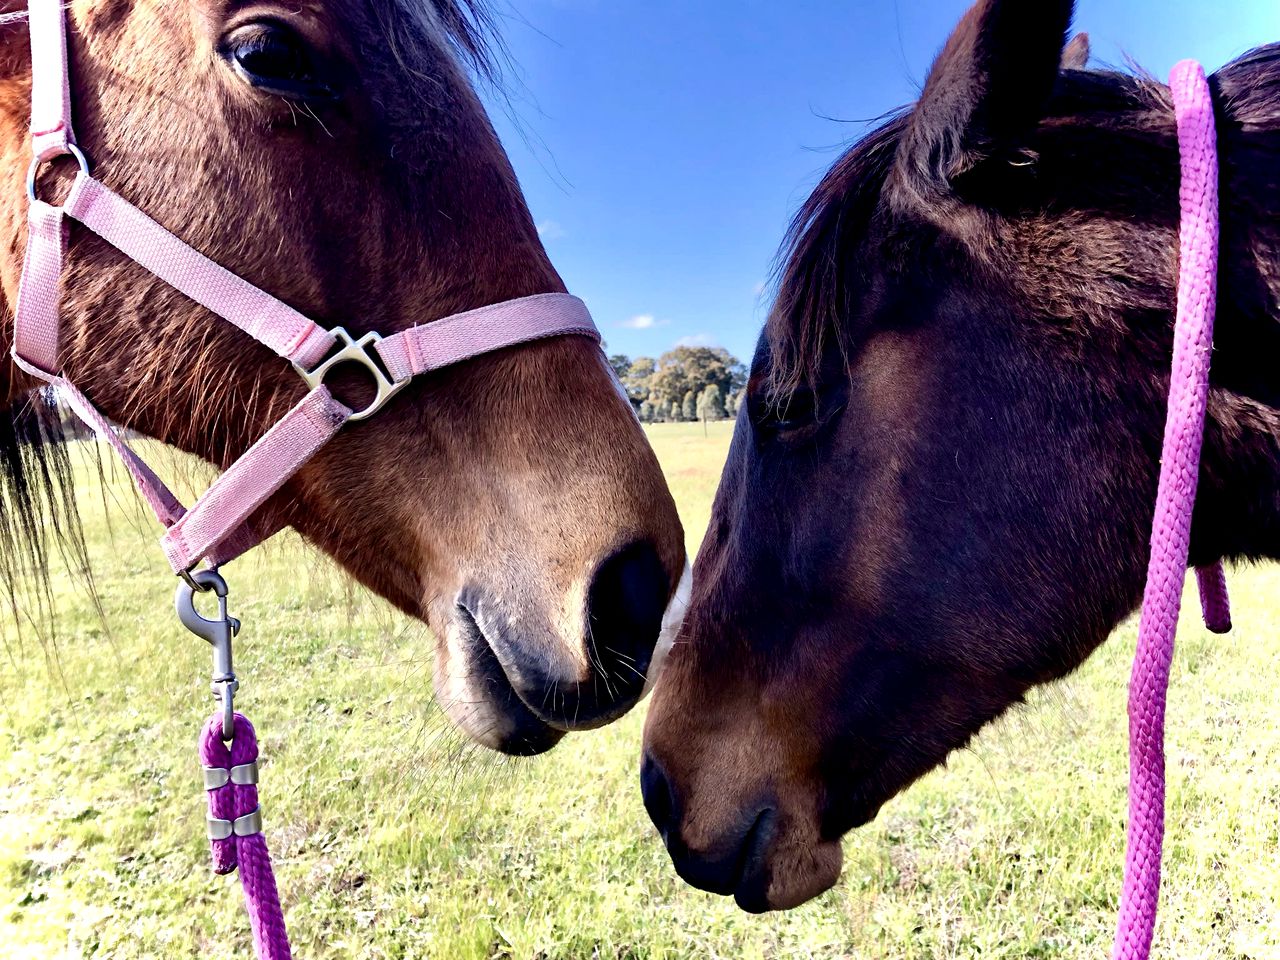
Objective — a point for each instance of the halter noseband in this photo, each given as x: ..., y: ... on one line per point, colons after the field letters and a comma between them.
x: 220, y: 525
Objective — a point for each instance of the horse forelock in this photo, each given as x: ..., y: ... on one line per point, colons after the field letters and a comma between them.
x: 465, y: 26
x: 816, y: 258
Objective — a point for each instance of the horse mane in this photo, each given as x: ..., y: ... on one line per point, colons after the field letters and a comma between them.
x: 37, y: 507
x: 819, y: 262
x: 1249, y: 87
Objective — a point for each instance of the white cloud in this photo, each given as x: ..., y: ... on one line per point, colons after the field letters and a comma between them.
x: 550, y: 230
x: 697, y: 340
x: 643, y: 321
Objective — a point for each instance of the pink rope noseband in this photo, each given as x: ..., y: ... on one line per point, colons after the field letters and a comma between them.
x: 1175, y: 500
x: 221, y: 524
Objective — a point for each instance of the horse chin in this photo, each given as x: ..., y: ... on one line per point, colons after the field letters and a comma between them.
x: 795, y: 873
x: 800, y: 860
x: 478, y: 698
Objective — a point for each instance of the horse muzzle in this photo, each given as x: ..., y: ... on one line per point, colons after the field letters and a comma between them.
x: 511, y: 681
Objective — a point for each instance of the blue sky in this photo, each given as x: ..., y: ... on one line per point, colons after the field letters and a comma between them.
x: 663, y: 145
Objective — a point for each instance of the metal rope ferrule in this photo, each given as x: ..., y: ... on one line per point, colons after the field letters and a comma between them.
x: 246, y: 826
x: 243, y: 774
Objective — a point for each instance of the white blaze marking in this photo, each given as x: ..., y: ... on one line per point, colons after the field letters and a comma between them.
x: 671, y: 621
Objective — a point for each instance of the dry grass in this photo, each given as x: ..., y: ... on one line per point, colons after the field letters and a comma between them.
x: 396, y: 840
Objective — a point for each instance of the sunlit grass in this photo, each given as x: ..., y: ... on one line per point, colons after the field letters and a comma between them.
x: 395, y: 839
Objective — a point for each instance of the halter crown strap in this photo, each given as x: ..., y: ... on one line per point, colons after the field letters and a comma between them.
x: 1175, y: 499
x: 219, y: 526
x: 51, y: 132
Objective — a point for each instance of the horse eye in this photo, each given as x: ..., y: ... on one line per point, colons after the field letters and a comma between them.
x: 781, y: 414
x: 274, y: 59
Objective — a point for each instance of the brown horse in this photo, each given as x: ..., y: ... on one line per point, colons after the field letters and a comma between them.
x: 941, y: 490
x: 335, y: 154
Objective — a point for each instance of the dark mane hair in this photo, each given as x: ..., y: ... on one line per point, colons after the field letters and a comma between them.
x: 819, y: 258
x: 819, y: 254
x: 37, y: 506
x: 467, y: 26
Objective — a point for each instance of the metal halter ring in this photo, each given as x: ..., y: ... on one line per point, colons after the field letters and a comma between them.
x: 70, y: 150
x: 361, y: 352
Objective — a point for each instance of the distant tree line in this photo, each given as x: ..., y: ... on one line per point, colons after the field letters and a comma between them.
x: 684, y: 384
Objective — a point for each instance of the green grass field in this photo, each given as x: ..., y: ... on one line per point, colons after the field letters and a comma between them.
x: 395, y: 839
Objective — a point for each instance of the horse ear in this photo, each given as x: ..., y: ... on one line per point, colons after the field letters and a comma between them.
x: 1076, y: 55
x: 987, y: 89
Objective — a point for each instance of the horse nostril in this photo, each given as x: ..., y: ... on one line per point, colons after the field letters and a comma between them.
x: 659, y: 800
x: 625, y: 604
x: 733, y: 861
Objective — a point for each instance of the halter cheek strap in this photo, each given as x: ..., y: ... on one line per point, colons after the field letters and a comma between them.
x: 220, y: 525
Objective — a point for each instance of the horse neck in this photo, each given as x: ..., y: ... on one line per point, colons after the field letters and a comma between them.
x: 1238, y: 514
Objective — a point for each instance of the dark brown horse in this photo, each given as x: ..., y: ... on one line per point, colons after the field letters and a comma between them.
x: 335, y: 154
x: 941, y: 490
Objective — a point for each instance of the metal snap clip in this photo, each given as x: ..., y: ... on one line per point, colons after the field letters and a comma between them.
x: 218, y: 633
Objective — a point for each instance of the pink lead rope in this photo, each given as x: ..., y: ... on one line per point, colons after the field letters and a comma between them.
x: 1175, y: 500
x: 221, y: 524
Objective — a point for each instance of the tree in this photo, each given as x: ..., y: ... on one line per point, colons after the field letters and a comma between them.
x: 646, y: 412
x: 666, y: 383
x: 621, y: 364
x: 684, y: 369
x: 710, y: 404
x: 638, y: 378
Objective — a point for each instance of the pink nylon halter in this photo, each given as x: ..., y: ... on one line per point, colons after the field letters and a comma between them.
x: 221, y: 525
x: 1175, y: 500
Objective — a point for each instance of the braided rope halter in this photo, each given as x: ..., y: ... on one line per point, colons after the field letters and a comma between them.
x: 1175, y: 501
x: 223, y: 523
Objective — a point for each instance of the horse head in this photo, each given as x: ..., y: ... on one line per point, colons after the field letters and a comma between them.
x: 337, y: 156
x: 940, y: 490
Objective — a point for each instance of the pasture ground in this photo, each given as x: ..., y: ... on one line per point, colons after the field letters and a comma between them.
x: 394, y: 839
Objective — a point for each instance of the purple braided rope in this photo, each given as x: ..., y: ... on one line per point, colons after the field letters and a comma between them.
x: 262, y: 901
x: 1171, y: 530
x: 1214, y: 602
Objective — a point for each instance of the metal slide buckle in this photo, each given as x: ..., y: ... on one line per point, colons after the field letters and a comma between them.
x: 362, y: 352
x: 217, y: 632
x: 242, y: 774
